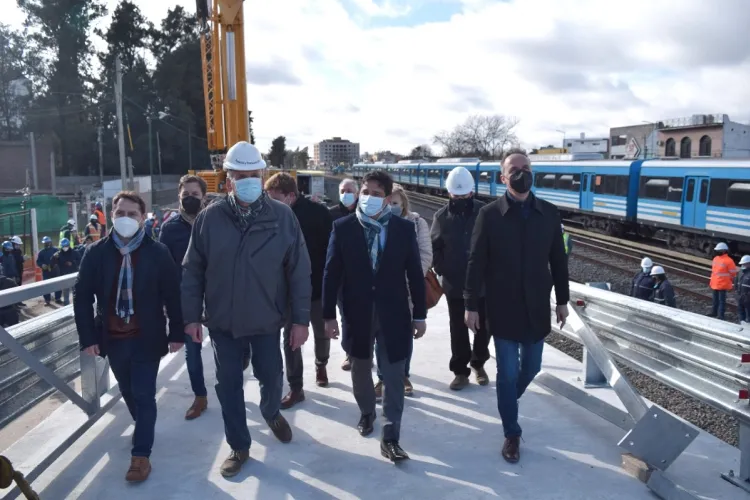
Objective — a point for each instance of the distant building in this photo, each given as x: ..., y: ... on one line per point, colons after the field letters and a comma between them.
x: 588, y: 145
x: 333, y: 151
x: 696, y: 136
x: 385, y: 157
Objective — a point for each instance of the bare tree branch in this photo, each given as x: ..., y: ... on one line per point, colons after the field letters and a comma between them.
x: 484, y: 136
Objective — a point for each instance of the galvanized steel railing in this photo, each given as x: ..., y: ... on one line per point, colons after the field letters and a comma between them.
x: 699, y: 356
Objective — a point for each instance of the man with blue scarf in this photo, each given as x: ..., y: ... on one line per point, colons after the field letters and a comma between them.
x: 370, y: 256
x: 131, y: 280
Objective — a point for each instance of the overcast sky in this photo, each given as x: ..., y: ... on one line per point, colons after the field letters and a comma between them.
x: 390, y: 74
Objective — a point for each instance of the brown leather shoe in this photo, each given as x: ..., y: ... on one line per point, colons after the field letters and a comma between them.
x: 197, y: 408
x: 346, y: 365
x: 408, y: 388
x: 481, y: 375
x: 512, y: 449
x: 459, y: 382
x: 140, y: 468
x: 234, y: 462
x: 321, y: 376
x: 292, y: 398
x: 281, y: 429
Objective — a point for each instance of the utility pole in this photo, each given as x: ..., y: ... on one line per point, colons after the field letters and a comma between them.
x: 101, y: 154
x: 158, y: 153
x: 120, y: 126
x: 33, y: 161
x: 150, y: 152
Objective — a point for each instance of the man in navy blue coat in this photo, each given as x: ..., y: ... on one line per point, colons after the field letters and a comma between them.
x: 370, y: 257
x: 131, y: 279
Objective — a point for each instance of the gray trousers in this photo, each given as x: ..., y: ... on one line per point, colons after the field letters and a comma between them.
x: 294, y: 367
x: 393, y: 385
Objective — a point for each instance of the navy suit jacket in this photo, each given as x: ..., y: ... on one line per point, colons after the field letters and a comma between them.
x: 348, y: 267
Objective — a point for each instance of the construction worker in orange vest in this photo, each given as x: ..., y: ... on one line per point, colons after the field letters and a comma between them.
x: 93, y: 228
x: 723, y: 272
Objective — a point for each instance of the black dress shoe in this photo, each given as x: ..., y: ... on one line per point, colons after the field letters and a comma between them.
x: 393, y: 451
x: 365, y: 424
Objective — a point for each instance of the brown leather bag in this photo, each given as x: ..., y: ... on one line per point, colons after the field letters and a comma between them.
x: 433, y: 290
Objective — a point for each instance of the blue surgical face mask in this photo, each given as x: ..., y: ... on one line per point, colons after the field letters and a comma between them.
x: 248, y: 189
x: 646, y: 270
x: 347, y: 199
x: 396, y: 210
x: 370, y: 205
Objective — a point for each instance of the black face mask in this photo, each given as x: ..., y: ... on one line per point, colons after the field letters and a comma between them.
x: 191, y: 205
x: 521, y: 181
x: 461, y: 204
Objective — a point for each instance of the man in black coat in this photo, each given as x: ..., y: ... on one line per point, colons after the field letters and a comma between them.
x: 130, y: 279
x: 348, y: 194
x: 315, y: 221
x: 370, y: 257
x: 515, y: 245
x: 451, y: 236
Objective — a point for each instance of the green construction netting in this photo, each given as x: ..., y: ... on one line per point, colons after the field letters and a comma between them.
x: 51, y: 213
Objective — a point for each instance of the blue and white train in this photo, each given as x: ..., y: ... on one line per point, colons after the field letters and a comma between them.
x: 692, y: 204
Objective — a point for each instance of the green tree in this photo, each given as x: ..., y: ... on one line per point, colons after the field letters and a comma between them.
x: 59, y: 36
x: 250, y: 120
x: 15, y: 88
x: 278, y: 151
x: 423, y: 151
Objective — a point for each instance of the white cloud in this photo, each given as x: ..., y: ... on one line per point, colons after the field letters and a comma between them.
x: 574, y: 65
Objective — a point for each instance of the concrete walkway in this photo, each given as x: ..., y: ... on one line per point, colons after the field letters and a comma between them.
x: 454, y: 439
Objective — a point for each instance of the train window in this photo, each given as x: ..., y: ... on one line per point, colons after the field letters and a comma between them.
x: 484, y: 177
x: 616, y: 185
x: 655, y: 188
x: 499, y: 178
x: 690, y: 190
x: 586, y: 182
x: 537, y: 180
x: 568, y: 182
x: 548, y: 181
x: 446, y: 172
x: 738, y: 195
x: 717, y: 195
x: 704, y: 191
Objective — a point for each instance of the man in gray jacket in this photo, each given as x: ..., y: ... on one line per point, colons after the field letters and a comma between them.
x: 248, y: 260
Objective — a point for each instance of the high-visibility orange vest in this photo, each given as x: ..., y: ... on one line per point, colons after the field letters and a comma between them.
x: 93, y: 231
x: 723, y: 271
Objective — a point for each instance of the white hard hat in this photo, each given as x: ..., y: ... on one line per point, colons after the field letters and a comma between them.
x: 244, y: 156
x: 657, y: 270
x: 721, y: 246
x: 646, y: 262
x: 459, y: 182
x: 745, y: 259
x: 16, y: 240
x: 71, y: 222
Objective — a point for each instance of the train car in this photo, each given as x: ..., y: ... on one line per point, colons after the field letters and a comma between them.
x: 695, y: 203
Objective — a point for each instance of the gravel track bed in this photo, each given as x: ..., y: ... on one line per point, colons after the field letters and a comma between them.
x: 699, y: 414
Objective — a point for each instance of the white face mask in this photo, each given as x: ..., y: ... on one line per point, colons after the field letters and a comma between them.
x: 126, y: 227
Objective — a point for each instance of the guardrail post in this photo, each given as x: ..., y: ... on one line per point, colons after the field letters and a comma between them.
x: 742, y: 479
x: 592, y: 375
x: 94, y: 380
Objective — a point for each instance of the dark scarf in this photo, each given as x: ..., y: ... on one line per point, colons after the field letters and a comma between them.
x: 246, y: 215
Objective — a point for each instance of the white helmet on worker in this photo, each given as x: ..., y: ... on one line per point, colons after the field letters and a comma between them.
x: 71, y: 222
x: 244, y: 156
x: 745, y: 260
x: 646, y: 263
x: 16, y: 240
x: 721, y: 246
x: 657, y: 271
x: 459, y: 182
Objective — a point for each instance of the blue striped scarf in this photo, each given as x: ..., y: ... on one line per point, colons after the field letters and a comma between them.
x: 124, y: 303
x: 373, y: 228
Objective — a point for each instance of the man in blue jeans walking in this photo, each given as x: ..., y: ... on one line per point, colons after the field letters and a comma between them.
x: 248, y: 261
x: 517, y: 254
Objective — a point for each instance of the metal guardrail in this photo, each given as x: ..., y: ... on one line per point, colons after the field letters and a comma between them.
x: 699, y: 356
x: 94, y: 371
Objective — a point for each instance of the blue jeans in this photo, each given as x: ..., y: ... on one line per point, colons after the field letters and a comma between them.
x: 268, y: 367
x: 517, y: 365
x: 136, y: 375
x: 408, y: 360
x: 194, y: 363
x: 49, y: 275
x: 719, y: 304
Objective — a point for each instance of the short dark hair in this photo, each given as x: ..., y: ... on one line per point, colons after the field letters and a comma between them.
x: 282, y: 182
x: 382, y: 178
x: 130, y: 196
x: 185, y: 179
x: 513, y: 151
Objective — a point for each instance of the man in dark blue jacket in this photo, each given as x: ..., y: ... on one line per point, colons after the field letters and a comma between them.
x: 44, y: 261
x: 370, y: 256
x: 131, y: 279
x: 67, y: 260
x: 175, y: 234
